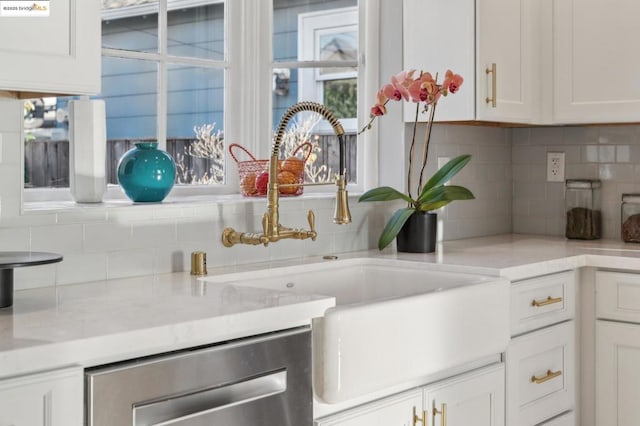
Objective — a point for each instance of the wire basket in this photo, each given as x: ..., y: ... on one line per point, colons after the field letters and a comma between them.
x: 254, y: 174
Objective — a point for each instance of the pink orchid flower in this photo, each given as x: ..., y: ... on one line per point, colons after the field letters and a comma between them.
x: 379, y: 108
x: 397, y: 89
x: 425, y: 89
x: 452, y: 82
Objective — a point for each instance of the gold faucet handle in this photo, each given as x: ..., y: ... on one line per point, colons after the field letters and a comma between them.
x: 311, y: 217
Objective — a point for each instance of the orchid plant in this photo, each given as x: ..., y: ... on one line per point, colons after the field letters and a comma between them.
x: 425, y: 92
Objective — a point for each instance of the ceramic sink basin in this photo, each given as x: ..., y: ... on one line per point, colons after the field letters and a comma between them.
x: 394, y: 321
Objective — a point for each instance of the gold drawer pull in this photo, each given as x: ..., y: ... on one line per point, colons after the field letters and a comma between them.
x: 442, y: 412
x: 417, y: 419
x: 494, y: 78
x: 550, y: 375
x: 548, y: 301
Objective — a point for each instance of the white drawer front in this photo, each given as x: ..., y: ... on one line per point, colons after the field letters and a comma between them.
x: 540, y: 375
x: 568, y: 419
x: 618, y: 296
x: 542, y: 301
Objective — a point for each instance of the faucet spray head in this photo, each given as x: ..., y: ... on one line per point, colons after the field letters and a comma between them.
x: 342, y: 215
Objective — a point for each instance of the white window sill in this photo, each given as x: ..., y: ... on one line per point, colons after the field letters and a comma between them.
x: 39, y: 207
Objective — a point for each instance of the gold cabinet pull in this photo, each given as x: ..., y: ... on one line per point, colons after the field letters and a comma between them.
x: 442, y: 412
x: 548, y: 301
x: 494, y: 97
x: 417, y: 419
x: 550, y: 375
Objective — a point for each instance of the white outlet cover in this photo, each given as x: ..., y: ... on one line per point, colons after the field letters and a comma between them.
x: 555, y: 166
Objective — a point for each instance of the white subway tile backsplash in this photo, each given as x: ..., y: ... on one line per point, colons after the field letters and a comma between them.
x: 617, y: 172
x: 607, y: 154
x: 58, y: 239
x: 575, y: 135
x: 159, y: 233
x: 130, y: 263
x: 35, y: 277
x: 15, y: 239
x: 625, y: 134
x: 623, y: 153
x: 105, y: 237
x: 590, y: 153
x: 82, y: 267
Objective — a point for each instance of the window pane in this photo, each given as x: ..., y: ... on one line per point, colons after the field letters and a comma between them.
x: 195, y: 123
x: 197, y: 31
x: 340, y: 97
x: 130, y: 25
x: 46, y: 139
x: 312, y: 18
x: 323, y: 161
x: 129, y: 91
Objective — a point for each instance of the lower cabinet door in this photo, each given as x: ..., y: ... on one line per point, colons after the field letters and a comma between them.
x: 540, y: 375
x: 617, y: 374
x: 476, y: 398
x: 53, y: 398
x: 396, y: 410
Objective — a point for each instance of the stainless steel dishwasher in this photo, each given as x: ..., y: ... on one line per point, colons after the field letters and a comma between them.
x: 264, y: 380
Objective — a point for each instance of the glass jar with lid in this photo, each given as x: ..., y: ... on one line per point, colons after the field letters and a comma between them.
x: 630, y: 217
x: 583, y: 209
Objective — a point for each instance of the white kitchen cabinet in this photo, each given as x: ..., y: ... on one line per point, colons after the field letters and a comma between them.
x: 57, y: 54
x: 52, y: 398
x: 541, y: 358
x: 541, y: 375
x: 617, y: 349
x: 617, y: 374
x: 474, y: 398
x: 596, y: 76
x: 469, y: 37
x: 567, y: 419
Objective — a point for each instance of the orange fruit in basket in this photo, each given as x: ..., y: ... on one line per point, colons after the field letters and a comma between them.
x: 286, y: 177
x: 248, y: 184
x: 262, y: 182
x: 293, y: 165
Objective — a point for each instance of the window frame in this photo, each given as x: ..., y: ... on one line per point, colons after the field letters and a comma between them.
x: 248, y: 72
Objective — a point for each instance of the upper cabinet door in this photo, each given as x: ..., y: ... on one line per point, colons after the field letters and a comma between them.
x: 468, y: 37
x: 437, y: 36
x: 596, y: 68
x: 59, y: 53
x: 505, y: 46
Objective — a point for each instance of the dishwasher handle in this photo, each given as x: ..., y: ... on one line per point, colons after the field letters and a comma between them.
x: 172, y: 410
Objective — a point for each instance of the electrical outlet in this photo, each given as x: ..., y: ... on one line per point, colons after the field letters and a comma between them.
x: 555, y: 166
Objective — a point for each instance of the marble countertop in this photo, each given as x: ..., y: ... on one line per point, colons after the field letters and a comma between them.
x: 101, y: 322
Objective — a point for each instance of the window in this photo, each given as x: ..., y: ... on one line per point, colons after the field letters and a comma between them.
x: 190, y: 74
x: 316, y: 44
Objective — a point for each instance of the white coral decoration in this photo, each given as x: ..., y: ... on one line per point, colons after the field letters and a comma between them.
x: 209, y: 146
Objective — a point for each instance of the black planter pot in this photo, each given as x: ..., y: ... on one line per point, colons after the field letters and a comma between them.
x: 418, y: 235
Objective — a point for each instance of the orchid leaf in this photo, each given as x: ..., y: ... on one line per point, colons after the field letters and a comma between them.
x: 446, y: 172
x: 384, y: 193
x: 443, y: 193
x: 394, y: 225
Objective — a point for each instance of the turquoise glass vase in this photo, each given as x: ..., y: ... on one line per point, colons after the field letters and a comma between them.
x: 146, y: 173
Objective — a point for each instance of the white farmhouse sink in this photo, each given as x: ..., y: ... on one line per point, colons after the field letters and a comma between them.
x: 394, y: 321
